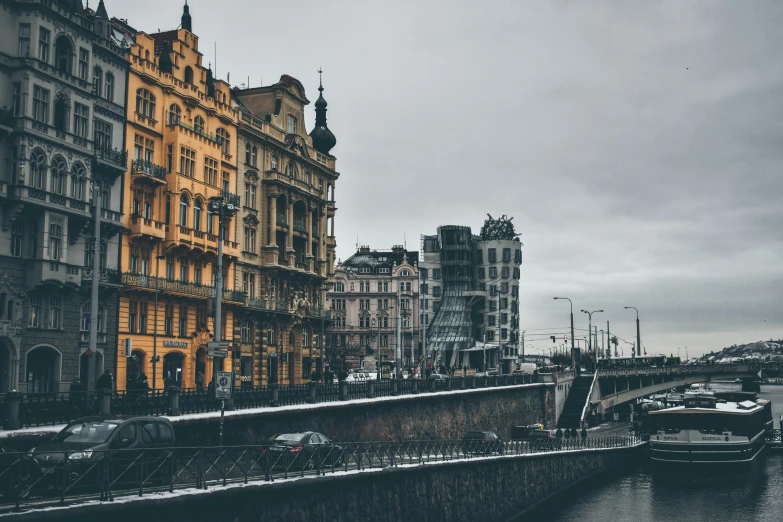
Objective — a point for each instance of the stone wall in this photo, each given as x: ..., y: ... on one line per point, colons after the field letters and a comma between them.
x: 425, y: 416
x: 500, y: 488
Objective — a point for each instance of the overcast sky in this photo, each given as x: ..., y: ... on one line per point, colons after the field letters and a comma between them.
x: 637, y: 144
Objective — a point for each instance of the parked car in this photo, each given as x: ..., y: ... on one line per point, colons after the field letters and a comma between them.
x: 86, y: 441
x: 482, y: 443
x: 358, y: 377
x: 306, y: 450
x: 524, y: 432
x: 437, y: 377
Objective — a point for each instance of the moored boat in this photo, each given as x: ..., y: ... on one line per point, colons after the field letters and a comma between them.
x: 709, y: 431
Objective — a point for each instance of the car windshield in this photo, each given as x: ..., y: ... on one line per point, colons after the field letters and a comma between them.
x: 87, y: 432
x: 289, y: 437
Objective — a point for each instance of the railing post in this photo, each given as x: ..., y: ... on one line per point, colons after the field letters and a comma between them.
x: 174, y: 401
x: 415, y: 386
x: 432, y: 385
x: 275, y: 394
x: 13, y: 401
x: 395, y: 387
x: 371, y: 389
x: 104, y: 402
x: 312, y: 388
x: 343, y: 391
x: 462, y: 383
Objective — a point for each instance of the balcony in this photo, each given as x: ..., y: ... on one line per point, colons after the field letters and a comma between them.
x: 42, y: 272
x: 229, y: 198
x: 177, y: 122
x: 301, y: 185
x: 111, y: 223
x: 257, y: 304
x: 50, y: 200
x: 170, y: 286
x: 106, y: 277
x: 148, y: 171
x: 111, y: 163
x: 281, y: 220
x: 147, y: 227
x: 299, y: 225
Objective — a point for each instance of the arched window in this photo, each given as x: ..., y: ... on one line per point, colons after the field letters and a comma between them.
x: 77, y: 181
x: 63, y: 54
x: 198, y: 124
x: 188, y: 75
x: 290, y: 170
x: 85, y: 318
x: 43, y: 369
x: 254, y: 156
x: 247, y: 154
x: 37, y: 169
x: 61, y: 114
x: 59, y: 179
x: 273, y: 166
x: 405, y: 272
x: 110, y: 87
x: 224, y: 138
x: 210, y: 221
x: 183, y: 210
x: 197, y: 206
x: 291, y: 339
x: 145, y: 103
x: 174, y: 114
x: 97, y: 81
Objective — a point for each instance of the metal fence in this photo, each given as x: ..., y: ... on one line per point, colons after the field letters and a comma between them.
x: 48, y: 409
x: 73, y: 476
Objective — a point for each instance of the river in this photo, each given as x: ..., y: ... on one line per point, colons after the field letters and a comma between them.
x: 638, y: 495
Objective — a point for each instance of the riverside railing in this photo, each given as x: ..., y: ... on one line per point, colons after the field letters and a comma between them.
x: 48, y: 409
x: 30, y: 480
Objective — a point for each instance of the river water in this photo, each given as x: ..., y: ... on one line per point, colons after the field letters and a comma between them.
x: 638, y: 495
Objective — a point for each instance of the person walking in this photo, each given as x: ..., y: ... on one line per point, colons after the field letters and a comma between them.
x: 105, y: 381
x: 76, y: 386
x: 200, y: 380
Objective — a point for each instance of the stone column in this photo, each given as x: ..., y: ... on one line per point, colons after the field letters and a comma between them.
x: 289, y: 241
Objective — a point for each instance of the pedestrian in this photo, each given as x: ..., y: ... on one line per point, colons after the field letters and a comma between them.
x: 200, y: 380
x: 559, y: 433
x: 143, y: 385
x: 105, y: 381
x: 211, y: 388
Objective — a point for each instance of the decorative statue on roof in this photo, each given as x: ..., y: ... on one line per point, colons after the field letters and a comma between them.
x: 498, y: 229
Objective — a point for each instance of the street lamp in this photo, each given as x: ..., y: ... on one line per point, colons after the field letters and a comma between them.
x: 573, y: 354
x: 218, y: 205
x: 590, y: 330
x: 155, y: 328
x: 638, y: 340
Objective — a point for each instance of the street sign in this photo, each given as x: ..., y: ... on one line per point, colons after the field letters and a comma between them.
x: 217, y: 353
x: 223, y: 385
x: 218, y: 344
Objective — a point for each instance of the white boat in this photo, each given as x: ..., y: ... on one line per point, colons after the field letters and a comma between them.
x: 709, y: 431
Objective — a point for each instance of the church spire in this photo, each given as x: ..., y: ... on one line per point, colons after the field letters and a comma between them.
x: 187, y: 22
x: 323, y: 139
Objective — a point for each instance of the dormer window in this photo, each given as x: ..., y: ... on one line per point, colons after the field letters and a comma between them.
x: 364, y: 270
x: 291, y: 125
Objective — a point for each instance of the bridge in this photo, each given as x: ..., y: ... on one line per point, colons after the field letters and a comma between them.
x: 599, y: 393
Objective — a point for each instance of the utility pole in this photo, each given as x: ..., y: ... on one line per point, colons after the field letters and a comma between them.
x: 523, y: 346
x: 92, y: 358
x: 603, y: 350
x: 608, y: 342
x: 638, y: 338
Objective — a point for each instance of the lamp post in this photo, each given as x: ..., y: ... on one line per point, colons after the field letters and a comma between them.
x: 218, y: 205
x: 155, y: 328
x: 638, y: 339
x: 590, y: 330
x: 573, y: 353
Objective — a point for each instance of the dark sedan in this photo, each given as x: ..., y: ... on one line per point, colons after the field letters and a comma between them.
x: 302, y: 451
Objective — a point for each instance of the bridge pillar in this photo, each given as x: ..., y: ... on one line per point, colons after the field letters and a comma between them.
x: 751, y: 385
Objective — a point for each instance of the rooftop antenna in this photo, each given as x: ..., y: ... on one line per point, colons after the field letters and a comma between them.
x: 404, y: 242
x: 215, y: 58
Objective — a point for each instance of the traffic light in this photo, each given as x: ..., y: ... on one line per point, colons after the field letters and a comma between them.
x: 553, y: 338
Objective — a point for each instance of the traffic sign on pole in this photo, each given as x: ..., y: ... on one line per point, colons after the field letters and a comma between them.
x: 219, y: 344
x: 217, y: 353
x: 223, y: 385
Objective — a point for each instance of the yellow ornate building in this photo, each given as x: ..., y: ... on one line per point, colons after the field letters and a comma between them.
x: 182, y: 140
x: 286, y: 224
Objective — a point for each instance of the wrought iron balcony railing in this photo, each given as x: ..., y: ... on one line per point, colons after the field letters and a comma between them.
x: 115, y: 156
x: 109, y: 276
x: 229, y: 198
x: 299, y: 225
x: 180, y: 287
x: 148, y: 169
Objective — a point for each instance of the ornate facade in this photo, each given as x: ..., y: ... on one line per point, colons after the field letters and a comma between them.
x: 375, y: 298
x: 286, y: 224
x: 182, y: 139
x: 62, y: 116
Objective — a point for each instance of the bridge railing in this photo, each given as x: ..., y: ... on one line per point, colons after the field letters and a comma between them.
x: 712, y: 369
x: 60, y: 477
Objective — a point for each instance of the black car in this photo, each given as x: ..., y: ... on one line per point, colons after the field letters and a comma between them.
x: 482, y: 443
x: 76, y: 456
x: 306, y: 450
